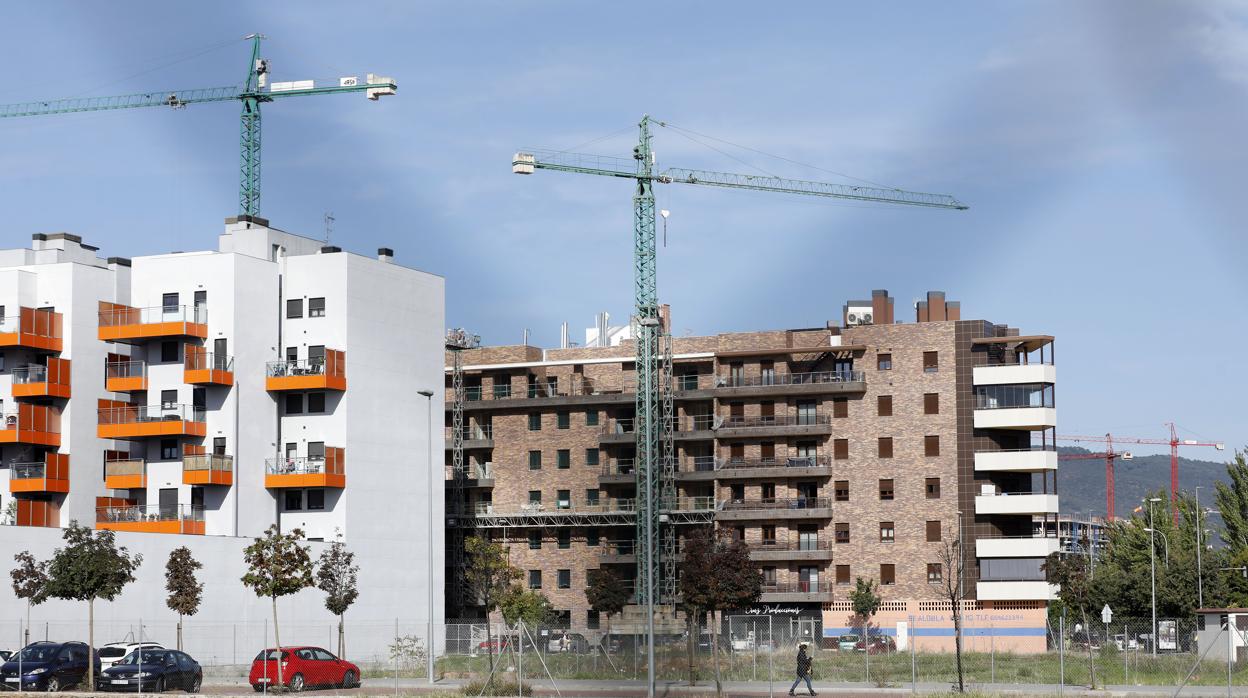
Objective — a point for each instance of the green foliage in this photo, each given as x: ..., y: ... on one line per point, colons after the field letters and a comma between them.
x: 606, y: 592
x: 336, y: 575
x: 488, y: 573
x: 185, y: 591
x: 865, y: 599
x: 277, y: 565
x: 528, y: 605
x: 1232, y: 501
x: 90, y: 566
x: 30, y: 578
x: 408, y: 652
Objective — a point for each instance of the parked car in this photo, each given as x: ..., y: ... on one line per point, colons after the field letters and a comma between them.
x: 152, y: 670
x: 114, y: 652
x: 302, y: 667
x: 880, y: 644
x: 48, y: 666
x: 4, y: 655
x: 846, y: 643
x: 567, y: 642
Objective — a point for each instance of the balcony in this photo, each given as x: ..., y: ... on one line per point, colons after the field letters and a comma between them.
x: 696, y: 427
x: 621, y: 472
x: 794, y: 550
x: 121, y: 323
x: 816, y: 383
x: 475, y: 436
x: 796, y: 592
x: 32, y: 329
x: 1014, y: 374
x: 619, y: 553
x: 1025, y: 460
x: 328, y: 373
x: 47, y: 477
x: 314, y: 471
x: 564, y: 391
x: 37, y: 512
x: 125, y: 376
x: 1027, y: 406
x: 774, y: 425
x: 1024, y: 503
x: 37, y: 380
x: 202, y: 367
x: 143, y: 421
x: 128, y: 474
x: 37, y: 425
x: 151, y: 518
x: 1016, y: 591
x: 776, y: 508
x: 704, y: 468
x: 1016, y: 546
x: 607, y: 512
x: 207, y: 469
x: 690, y: 505
x: 617, y: 431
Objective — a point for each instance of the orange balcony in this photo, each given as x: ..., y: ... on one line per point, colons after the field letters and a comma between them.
x: 121, y: 323
x: 207, y: 469
x: 32, y: 329
x: 37, y: 512
x: 125, y: 375
x: 328, y: 373
x: 52, y: 475
x: 327, y: 471
x: 118, y: 420
x: 125, y: 474
x: 151, y: 518
x: 37, y: 380
x: 37, y: 425
x: 203, y: 367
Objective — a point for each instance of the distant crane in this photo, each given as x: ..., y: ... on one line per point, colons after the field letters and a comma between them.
x: 1109, y: 455
x: 1173, y: 442
x: 254, y: 90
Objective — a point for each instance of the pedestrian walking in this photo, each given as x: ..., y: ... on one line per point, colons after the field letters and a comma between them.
x: 803, y: 670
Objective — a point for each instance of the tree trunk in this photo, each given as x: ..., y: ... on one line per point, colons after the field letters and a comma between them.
x: 719, y: 686
x: 608, y: 647
x: 179, y: 632
x: 90, y: 645
x: 691, y: 633
x: 1087, y: 635
x: 489, y: 640
x: 277, y: 640
x: 342, y: 639
x: 957, y: 644
x: 27, y: 638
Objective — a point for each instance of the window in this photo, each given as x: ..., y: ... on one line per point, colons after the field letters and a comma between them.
x: 563, y: 420
x: 292, y: 354
x: 591, y: 497
x: 535, y: 460
x: 887, y: 534
x: 591, y: 537
x: 931, y: 361
x: 840, y: 449
x: 736, y: 374
x: 168, y: 449
x: 316, y: 307
x: 316, y: 500
x: 806, y: 413
x: 841, y: 532
x: 294, y: 403
x: 535, y: 579
x: 535, y: 540
x: 840, y: 408
x: 591, y: 456
x: 884, y: 406
x: 169, y: 302
x: 199, y: 397
x: 563, y: 499
x: 884, y: 362
x: 564, y: 539
x: 168, y: 351
x: 842, y: 574
x: 316, y: 450
x: 201, y: 299
x: 316, y: 402
x: 563, y: 459
x: 886, y: 490
x: 767, y: 372
x: 931, y: 403
x: 769, y: 576
x: 591, y: 619
x: 294, y: 500
x: 931, y: 445
x: 840, y: 490
x: 535, y: 421
x: 565, y: 579
x: 218, y: 446
x: 535, y: 497
x: 884, y: 448
x: 769, y: 534
x: 502, y: 386
x: 591, y: 418
x: 737, y: 491
x: 933, y: 488
x: 316, y: 355
x: 934, y: 575
x: 933, y: 531
x: 768, y: 490
x: 294, y: 308
x: 888, y: 575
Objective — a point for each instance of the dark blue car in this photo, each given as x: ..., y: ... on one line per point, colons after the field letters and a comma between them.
x: 47, y: 666
x: 153, y: 671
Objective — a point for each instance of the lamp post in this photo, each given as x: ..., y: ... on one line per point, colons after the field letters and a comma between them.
x: 428, y: 394
x: 1200, y: 582
x: 1152, y: 572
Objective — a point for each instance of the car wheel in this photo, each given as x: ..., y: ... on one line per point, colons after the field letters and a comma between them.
x: 296, y: 683
x: 348, y: 679
x: 196, y: 683
x: 257, y: 687
x: 159, y: 686
x: 54, y: 684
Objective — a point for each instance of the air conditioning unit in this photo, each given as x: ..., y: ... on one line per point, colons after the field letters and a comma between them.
x: 987, y: 490
x: 861, y: 315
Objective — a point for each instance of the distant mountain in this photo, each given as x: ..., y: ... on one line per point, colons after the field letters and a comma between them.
x: 1081, y: 482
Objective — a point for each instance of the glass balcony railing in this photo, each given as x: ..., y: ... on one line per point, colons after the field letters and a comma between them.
x: 208, y: 361
x: 775, y: 503
x: 302, y: 465
x: 993, y: 397
x: 207, y: 463
x: 813, y: 378
x: 779, y: 420
x: 148, y: 513
x: 125, y: 369
x: 139, y: 414
x: 123, y: 315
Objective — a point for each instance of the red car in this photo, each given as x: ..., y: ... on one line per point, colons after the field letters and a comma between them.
x: 302, y: 667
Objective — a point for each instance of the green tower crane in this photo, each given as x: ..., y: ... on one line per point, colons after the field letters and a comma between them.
x: 653, y: 420
x: 254, y: 91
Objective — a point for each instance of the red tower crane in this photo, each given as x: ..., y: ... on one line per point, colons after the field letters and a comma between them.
x: 1109, y: 455
x: 1174, y: 442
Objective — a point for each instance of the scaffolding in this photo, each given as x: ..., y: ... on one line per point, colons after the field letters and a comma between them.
x: 457, y: 340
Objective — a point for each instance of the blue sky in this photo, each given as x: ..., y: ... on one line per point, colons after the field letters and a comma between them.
x: 1100, y: 146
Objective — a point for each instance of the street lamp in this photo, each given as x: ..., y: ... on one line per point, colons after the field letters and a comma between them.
x: 1165, y: 540
x: 428, y: 395
x: 1152, y: 570
x: 1200, y: 582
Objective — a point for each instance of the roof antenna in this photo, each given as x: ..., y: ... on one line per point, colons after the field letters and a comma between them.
x: 329, y: 225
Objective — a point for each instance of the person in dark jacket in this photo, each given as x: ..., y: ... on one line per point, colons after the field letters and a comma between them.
x: 803, y: 670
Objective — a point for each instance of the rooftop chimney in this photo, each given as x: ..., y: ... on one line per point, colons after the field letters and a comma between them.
x: 937, y: 309
x: 385, y: 254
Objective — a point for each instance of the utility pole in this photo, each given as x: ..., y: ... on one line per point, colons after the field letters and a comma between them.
x: 1200, y: 584
x: 1152, y: 572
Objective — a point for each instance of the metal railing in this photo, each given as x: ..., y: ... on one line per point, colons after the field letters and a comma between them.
x: 619, y: 547
x: 789, y: 545
x: 197, y: 314
x: 472, y: 432
x: 701, y: 422
x: 1034, y: 448
x: 812, y: 587
x: 32, y: 373
x: 135, y: 414
x: 691, y: 504
x: 618, y: 426
x: 996, y: 397
x: 32, y: 321
x: 125, y: 369
x: 604, y: 506
x: 136, y: 513
x: 564, y: 386
x: 774, y: 503
x: 208, y: 361
x: 779, y: 420
x: 28, y: 471
x: 813, y: 378
x: 301, y: 465
x: 208, y: 461
x: 298, y: 367
x: 620, y: 467
x: 130, y: 466
x: 776, y: 462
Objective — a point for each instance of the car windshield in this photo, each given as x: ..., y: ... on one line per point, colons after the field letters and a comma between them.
x: 110, y: 652
x: 271, y: 655
x: 36, y: 653
x: 145, y: 657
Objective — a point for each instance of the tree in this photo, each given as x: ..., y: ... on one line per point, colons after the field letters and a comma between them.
x: 952, y: 567
x: 865, y: 599
x: 30, y: 582
x: 528, y: 605
x: 488, y: 576
x: 1232, y: 501
x: 185, y: 591
x: 607, y: 595
x: 90, y: 567
x: 277, y: 565
x: 1070, y: 572
x: 336, y: 574
x: 717, y: 575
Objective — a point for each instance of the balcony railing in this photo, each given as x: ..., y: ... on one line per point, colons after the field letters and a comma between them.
x: 125, y: 369
x: 789, y: 545
x: 148, y: 513
x: 814, y: 378
x: 124, y: 315
x: 33, y: 373
x: 302, y: 465
x: 39, y: 329
x: 690, y: 504
x: 475, y: 432
x: 208, y: 361
x: 38, y: 424
x: 811, y: 587
x: 993, y: 397
x: 28, y: 471
x: 301, y: 367
x: 701, y: 422
x: 140, y: 414
x: 772, y: 504
x: 619, y: 547
x: 207, y: 462
x: 779, y: 420
x: 705, y: 463
x: 624, y: 466
x: 39, y: 380
x: 603, y: 507
x: 618, y: 426
x: 130, y: 467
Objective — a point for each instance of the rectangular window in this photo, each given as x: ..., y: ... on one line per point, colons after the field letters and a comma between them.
x: 591, y: 537
x: 168, y: 449
x: 564, y: 539
x: 886, y: 490
x: 535, y: 460
x: 563, y: 499
x: 884, y: 406
x: 591, y: 456
x: 591, y: 497
x: 887, y: 534
x: 841, y: 490
x: 737, y: 491
x: 292, y: 354
x: 842, y: 574
x: 806, y: 413
x: 931, y: 445
x: 535, y: 540
x: 168, y: 351
x: 931, y: 361
x: 535, y: 579
x: 316, y: 307
x: 316, y: 500
x: 294, y: 403
x: 316, y: 355
x: 535, y: 497
x: 316, y: 450
x: 884, y: 449
x: 169, y: 302
x: 841, y: 532
x: 563, y: 459
x: 933, y: 531
x: 736, y: 374
x: 294, y: 308
x: 769, y: 534
x: 768, y: 490
x: 933, y: 487
x: 934, y: 575
x: 840, y: 449
x: 316, y: 402
x: 563, y: 420
x: 535, y: 421
x: 931, y: 403
x: 294, y: 500
x: 168, y: 398
x: 591, y: 418
x: 591, y: 620
x: 502, y: 386
x: 840, y: 408
x: 201, y: 299
x: 767, y: 372
x: 218, y: 446
x: 888, y: 575
x: 884, y: 362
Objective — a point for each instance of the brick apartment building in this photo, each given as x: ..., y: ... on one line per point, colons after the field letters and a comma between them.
x: 854, y: 449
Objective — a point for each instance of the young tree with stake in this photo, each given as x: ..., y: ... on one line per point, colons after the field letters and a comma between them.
x: 277, y: 565
x: 488, y: 576
x: 717, y: 575
x: 951, y: 578
x: 30, y: 582
x: 185, y: 591
x: 336, y: 574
